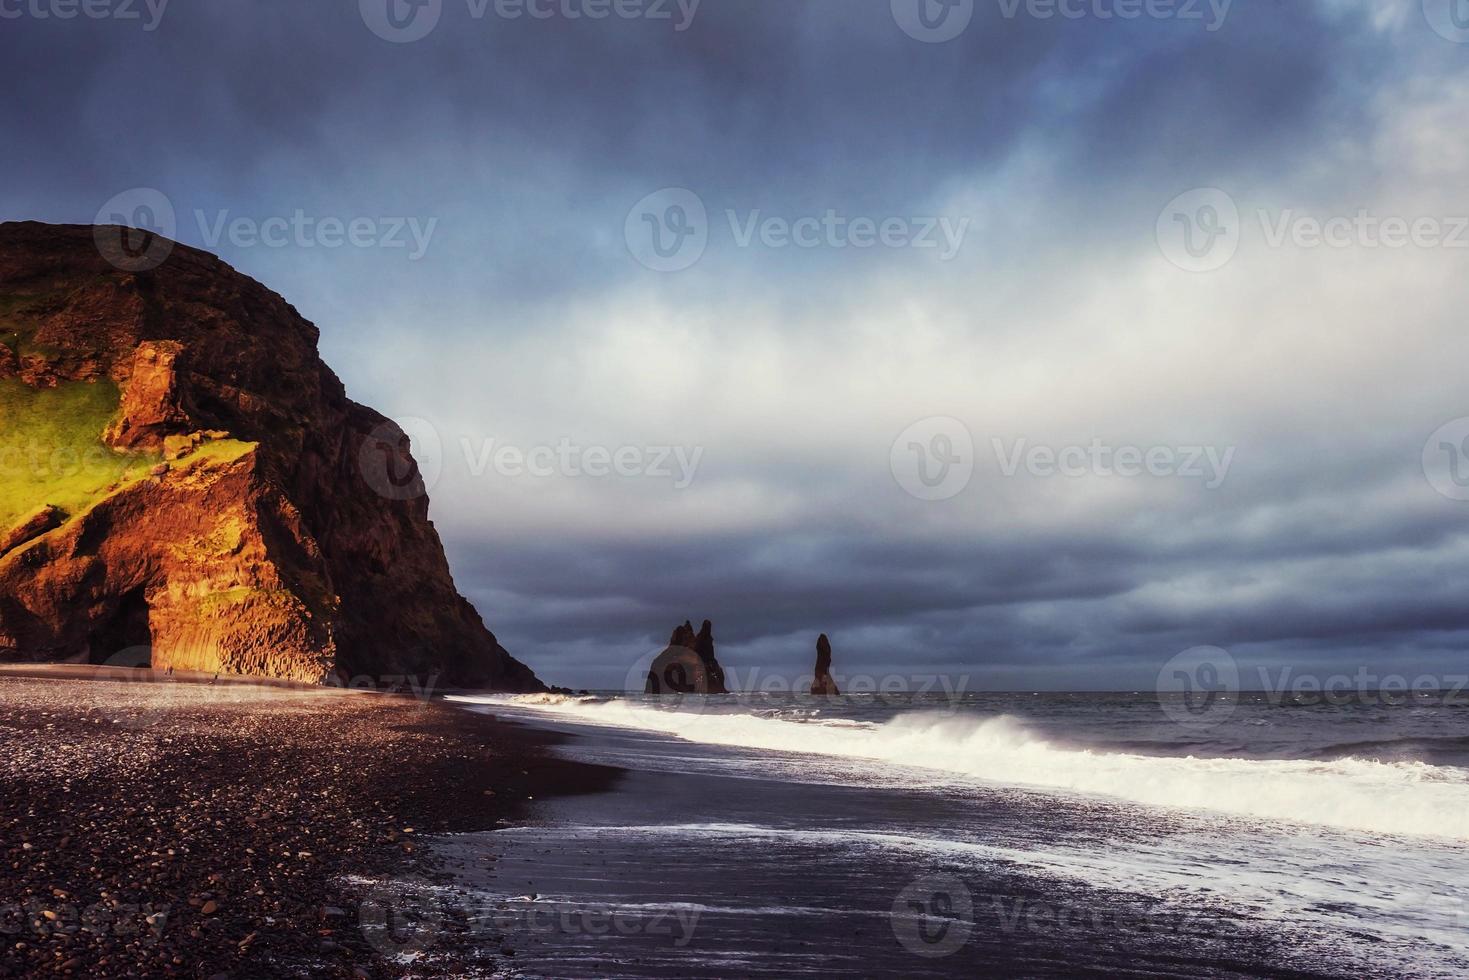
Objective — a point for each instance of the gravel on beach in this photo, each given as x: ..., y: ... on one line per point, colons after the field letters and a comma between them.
x: 195, y: 829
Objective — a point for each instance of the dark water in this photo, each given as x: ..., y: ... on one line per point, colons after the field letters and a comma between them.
x: 1060, y: 834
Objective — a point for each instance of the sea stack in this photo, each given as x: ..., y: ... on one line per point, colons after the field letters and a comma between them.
x: 688, y: 665
x: 823, y: 684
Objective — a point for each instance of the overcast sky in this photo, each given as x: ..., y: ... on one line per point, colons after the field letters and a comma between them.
x: 1034, y: 349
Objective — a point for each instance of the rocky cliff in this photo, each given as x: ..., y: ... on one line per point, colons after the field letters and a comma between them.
x: 180, y: 471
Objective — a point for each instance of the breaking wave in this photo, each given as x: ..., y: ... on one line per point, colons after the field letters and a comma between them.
x: 1393, y: 797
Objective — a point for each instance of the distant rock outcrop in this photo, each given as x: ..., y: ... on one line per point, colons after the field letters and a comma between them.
x: 823, y: 684
x: 688, y: 665
x: 241, y: 514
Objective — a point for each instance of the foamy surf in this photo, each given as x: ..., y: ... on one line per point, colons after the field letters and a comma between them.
x: 1394, y: 798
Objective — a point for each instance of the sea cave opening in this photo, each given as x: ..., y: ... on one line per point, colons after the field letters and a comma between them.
x: 124, y: 639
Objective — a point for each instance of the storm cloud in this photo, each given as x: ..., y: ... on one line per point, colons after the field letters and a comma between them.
x: 1118, y: 242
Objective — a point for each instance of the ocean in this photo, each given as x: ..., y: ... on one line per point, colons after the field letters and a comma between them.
x: 1000, y: 834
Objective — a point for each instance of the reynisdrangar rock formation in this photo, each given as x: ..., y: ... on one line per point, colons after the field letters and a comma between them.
x: 180, y: 471
x: 823, y: 683
x: 688, y: 665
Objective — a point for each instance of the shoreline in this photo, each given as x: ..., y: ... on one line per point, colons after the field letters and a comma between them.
x: 174, y: 827
x: 714, y: 860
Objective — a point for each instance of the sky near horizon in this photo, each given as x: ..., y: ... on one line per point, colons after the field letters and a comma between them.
x: 1027, y: 342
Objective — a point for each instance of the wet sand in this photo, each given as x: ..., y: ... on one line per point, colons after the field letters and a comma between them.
x: 176, y: 827
x: 680, y: 872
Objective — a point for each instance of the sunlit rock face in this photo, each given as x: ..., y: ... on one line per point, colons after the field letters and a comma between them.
x: 183, y: 475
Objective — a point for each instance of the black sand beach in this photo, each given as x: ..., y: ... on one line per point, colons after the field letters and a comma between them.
x: 183, y: 828
x: 236, y: 829
x: 676, y: 872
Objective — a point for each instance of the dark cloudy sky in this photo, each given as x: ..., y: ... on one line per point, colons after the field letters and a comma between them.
x: 1054, y: 150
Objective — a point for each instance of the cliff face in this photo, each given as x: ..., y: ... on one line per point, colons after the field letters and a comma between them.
x: 179, y: 470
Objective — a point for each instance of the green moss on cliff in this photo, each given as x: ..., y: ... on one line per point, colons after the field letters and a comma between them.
x: 51, y: 449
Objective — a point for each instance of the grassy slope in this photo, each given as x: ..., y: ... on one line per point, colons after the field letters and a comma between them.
x: 51, y: 449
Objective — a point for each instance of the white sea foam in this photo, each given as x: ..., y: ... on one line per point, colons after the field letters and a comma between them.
x: 1400, y: 798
